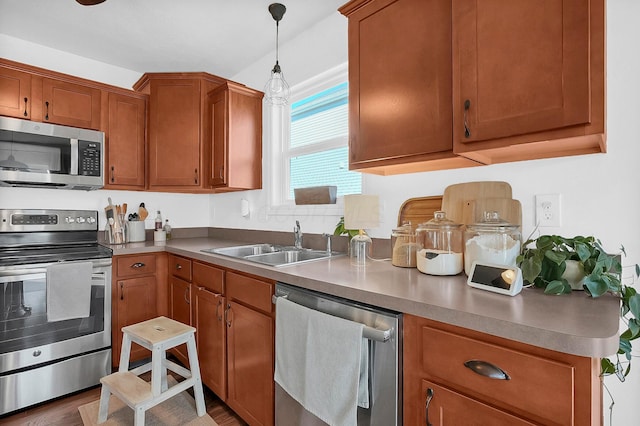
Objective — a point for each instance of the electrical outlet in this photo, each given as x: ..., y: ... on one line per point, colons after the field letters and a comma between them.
x: 548, y: 210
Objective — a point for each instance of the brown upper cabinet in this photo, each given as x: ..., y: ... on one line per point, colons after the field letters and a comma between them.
x: 400, y: 114
x: 177, y: 149
x: 528, y: 79
x: 234, y: 130
x: 125, y: 152
x: 439, y: 84
x: 15, y: 93
x: 37, y: 94
x: 70, y: 104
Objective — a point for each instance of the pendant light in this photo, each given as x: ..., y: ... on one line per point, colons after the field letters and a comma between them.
x: 276, y: 91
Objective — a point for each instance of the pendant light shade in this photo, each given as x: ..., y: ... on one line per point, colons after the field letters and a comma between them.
x: 276, y: 91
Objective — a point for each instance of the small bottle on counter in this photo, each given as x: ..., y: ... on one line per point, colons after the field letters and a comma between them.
x: 158, y: 226
x: 167, y: 229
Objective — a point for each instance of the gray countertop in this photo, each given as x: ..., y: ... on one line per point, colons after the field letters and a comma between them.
x: 575, y: 323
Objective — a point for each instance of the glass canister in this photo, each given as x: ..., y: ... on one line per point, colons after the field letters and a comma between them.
x: 492, y: 240
x: 440, y: 246
x: 403, y: 246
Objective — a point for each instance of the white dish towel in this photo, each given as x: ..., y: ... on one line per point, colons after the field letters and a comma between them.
x: 318, y: 361
x: 68, y: 290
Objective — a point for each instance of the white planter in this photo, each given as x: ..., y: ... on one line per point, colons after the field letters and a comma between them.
x: 574, y: 274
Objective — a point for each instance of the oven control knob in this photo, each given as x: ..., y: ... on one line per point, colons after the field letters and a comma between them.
x: 81, y: 220
x: 70, y: 219
x: 37, y: 352
x: 91, y: 219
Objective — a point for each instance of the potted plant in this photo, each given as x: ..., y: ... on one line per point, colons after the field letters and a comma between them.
x: 551, y: 262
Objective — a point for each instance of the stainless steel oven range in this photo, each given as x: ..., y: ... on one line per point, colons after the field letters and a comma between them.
x: 55, y: 296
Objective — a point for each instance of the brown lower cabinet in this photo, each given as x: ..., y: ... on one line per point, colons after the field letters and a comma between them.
x: 234, y: 320
x: 539, y: 386
x: 135, y: 297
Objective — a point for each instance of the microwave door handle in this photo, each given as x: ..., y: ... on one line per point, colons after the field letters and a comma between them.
x: 74, y: 157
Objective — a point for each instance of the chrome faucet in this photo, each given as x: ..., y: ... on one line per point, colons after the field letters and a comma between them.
x: 297, y: 235
x: 328, y: 237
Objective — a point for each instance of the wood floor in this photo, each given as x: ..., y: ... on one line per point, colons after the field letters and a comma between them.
x: 64, y: 411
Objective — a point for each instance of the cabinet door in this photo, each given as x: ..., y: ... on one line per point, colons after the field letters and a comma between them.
x: 15, y: 93
x: 400, y: 82
x: 219, y: 121
x: 250, y: 363
x: 174, y: 133
x: 180, y: 301
x: 70, y: 104
x: 135, y: 299
x: 520, y: 67
x: 211, y: 339
x: 125, y: 142
x: 235, y: 134
x: 444, y: 407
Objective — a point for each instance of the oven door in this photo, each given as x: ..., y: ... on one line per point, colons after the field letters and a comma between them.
x: 27, y: 339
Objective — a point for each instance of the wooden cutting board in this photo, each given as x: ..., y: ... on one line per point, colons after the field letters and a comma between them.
x: 455, y: 196
x: 508, y: 209
x: 419, y: 210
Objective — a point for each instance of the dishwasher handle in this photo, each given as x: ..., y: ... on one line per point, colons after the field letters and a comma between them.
x: 370, y: 333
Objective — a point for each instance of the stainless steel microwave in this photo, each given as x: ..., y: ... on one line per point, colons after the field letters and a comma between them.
x: 43, y: 155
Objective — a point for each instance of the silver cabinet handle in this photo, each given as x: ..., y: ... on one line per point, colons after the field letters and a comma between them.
x: 186, y: 293
x: 226, y: 315
x: 218, y: 314
x: 486, y: 369
x: 138, y: 265
x: 426, y: 406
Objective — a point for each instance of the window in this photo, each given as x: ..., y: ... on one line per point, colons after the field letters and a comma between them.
x: 315, y: 151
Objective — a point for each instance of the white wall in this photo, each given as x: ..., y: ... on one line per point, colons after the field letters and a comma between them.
x: 600, y: 193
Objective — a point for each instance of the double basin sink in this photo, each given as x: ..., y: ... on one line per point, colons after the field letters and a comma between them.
x: 273, y: 255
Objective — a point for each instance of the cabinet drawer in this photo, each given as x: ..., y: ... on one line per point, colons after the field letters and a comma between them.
x: 180, y: 267
x: 133, y: 266
x: 209, y: 277
x: 535, y: 385
x: 250, y: 291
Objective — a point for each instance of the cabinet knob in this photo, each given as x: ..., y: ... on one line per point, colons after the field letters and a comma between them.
x: 486, y: 369
x: 178, y: 266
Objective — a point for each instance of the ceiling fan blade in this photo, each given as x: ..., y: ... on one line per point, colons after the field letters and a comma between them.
x: 89, y: 2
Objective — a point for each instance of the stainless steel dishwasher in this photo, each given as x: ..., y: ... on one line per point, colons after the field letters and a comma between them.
x: 383, y: 329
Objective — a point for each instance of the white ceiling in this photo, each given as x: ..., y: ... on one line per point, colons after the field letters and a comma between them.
x: 217, y: 36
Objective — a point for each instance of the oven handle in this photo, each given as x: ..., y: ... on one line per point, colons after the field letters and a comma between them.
x: 22, y: 274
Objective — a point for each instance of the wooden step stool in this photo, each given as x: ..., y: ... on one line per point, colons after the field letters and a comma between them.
x: 158, y: 335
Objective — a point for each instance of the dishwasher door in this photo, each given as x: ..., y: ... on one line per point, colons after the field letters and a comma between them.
x: 383, y: 329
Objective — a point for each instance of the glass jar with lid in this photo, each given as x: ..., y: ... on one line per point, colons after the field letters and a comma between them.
x: 492, y: 241
x: 440, y: 246
x: 403, y: 246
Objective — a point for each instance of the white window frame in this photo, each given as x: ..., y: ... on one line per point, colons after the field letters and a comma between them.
x: 279, y: 119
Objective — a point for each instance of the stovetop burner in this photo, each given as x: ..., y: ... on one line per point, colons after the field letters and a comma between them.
x: 31, y: 255
x: 46, y: 236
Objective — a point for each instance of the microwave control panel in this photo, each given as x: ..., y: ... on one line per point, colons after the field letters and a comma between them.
x: 89, y: 156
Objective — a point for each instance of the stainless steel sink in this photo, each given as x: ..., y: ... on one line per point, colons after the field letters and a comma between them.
x: 243, y: 251
x: 273, y: 255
